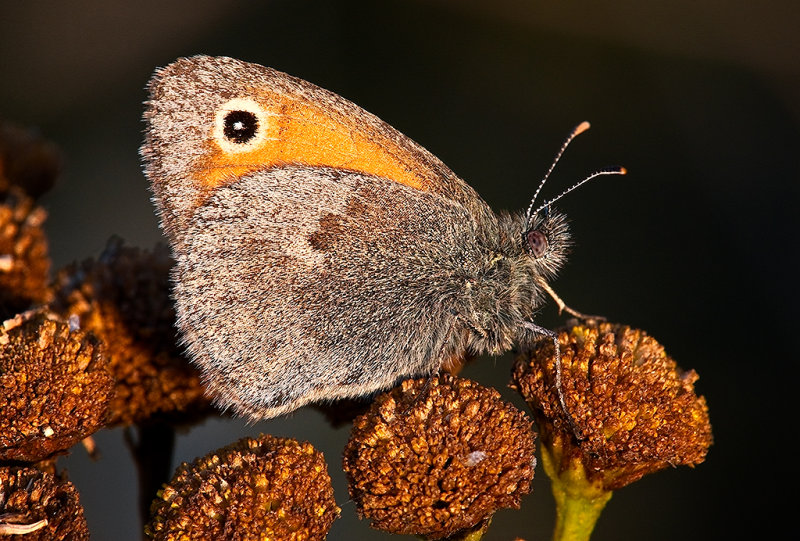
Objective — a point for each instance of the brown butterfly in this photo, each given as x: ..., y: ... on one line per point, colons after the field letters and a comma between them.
x: 322, y: 254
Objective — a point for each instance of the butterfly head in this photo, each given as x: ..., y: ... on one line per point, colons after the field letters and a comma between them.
x: 546, y: 240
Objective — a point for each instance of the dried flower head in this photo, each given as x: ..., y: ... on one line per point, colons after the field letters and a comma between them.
x: 438, y: 456
x: 24, y: 259
x: 257, y: 488
x: 27, y: 160
x: 123, y: 298
x: 38, y: 506
x: 636, y: 412
x: 54, y: 387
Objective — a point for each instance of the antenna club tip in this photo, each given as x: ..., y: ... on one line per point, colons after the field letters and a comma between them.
x: 582, y: 127
x: 623, y: 171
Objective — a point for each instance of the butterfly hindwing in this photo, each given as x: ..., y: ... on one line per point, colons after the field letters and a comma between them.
x: 282, y: 301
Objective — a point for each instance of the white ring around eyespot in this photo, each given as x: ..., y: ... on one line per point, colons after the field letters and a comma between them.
x: 240, y: 104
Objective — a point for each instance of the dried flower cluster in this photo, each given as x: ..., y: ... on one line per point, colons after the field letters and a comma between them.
x: 37, y: 506
x: 635, y: 411
x: 438, y: 456
x: 54, y: 383
x: 123, y: 298
x: 263, y: 488
x: 434, y: 457
x: 55, y: 387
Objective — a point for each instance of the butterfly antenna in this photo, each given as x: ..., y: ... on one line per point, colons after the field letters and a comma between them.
x: 616, y: 170
x: 579, y: 129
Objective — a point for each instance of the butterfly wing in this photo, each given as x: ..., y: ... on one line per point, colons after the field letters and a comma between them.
x: 320, y: 253
x: 298, y: 284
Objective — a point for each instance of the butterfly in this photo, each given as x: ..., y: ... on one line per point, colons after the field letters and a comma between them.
x: 320, y: 253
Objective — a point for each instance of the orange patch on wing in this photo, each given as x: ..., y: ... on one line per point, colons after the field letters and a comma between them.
x: 303, y: 133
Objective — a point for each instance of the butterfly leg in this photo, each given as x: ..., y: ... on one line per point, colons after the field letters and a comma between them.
x: 552, y: 335
x: 562, y: 306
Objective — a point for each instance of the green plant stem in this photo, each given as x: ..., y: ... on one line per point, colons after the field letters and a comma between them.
x: 579, y: 501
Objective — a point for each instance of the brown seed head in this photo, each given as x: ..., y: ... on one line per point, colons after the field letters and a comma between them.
x: 438, y: 456
x: 123, y: 298
x: 54, y: 387
x: 39, y: 507
x: 257, y: 488
x: 636, y: 411
x: 24, y: 259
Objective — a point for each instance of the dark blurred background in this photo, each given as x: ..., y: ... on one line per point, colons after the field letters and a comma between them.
x: 697, y: 245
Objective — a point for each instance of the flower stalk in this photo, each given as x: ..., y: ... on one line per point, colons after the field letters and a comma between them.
x: 579, y: 501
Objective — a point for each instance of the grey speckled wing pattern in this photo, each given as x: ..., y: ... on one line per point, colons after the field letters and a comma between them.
x: 300, y: 284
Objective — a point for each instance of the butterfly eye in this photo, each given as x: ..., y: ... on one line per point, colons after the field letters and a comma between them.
x: 240, y: 126
x: 537, y: 243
